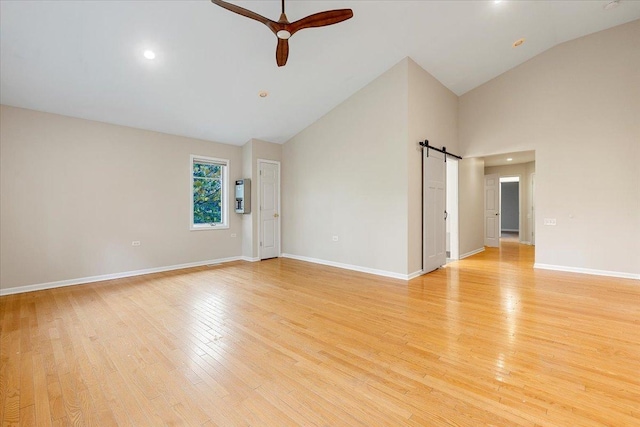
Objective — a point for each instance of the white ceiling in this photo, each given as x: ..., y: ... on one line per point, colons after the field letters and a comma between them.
x: 516, y: 158
x: 84, y: 58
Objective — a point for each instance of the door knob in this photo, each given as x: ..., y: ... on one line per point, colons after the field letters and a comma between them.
x: 275, y: 215
x: 497, y: 213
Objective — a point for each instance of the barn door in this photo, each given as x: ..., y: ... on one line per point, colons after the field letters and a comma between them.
x: 434, y: 211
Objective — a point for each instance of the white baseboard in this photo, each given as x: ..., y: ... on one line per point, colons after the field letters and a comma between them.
x: 468, y: 254
x: 249, y: 259
x: 354, y: 267
x: 587, y: 271
x: 524, y: 242
x: 414, y: 274
x: 91, y: 279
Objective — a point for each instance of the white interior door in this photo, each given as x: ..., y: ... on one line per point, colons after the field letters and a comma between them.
x: 492, y: 210
x: 434, y: 206
x: 269, y: 209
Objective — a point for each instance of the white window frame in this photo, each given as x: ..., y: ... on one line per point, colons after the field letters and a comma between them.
x: 224, y: 197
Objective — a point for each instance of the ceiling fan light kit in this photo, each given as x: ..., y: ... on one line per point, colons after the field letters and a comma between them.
x: 283, y: 29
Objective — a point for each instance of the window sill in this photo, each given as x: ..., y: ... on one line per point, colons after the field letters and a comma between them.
x: 209, y: 227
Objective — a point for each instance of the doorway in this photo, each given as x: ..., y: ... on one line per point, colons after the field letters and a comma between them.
x: 512, y: 167
x: 268, y: 209
x: 510, y: 209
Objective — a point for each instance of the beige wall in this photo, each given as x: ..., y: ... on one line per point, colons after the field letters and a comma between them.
x: 524, y: 171
x: 346, y: 176
x: 433, y: 115
x: 578, y: 106
x: 471, y: 205
x: 253, y: 151
x: 76, y: 193
x: 247, y: 219
x: 357, y: 173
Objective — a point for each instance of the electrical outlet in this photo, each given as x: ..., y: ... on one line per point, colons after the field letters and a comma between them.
x: 549, y: 221
x: 135, y: 243
x: 335, y: 238
x: 234, y: 235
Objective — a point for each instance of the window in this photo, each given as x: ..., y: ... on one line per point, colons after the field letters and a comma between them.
x: 209, y: 183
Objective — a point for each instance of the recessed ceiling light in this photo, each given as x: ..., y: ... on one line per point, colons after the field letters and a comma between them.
x: 149, y: 54
x: 263, y: 94
x: 497, y: 1
x: 518, y: 42
x: 612, y: 5
x: 509, y: 159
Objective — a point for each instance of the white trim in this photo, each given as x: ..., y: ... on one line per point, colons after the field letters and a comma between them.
x: 455, y: 216
x: 259, y: 191
x: 206, y: 227
x: 249, y: 259
x: 587, y: 271
x: 525, y: 243
x: 532, y: 209
x: 414, y: 274
x: 383, y: 273
x: 91, y: 279
x: 468, y: 254
x: 509, y: 178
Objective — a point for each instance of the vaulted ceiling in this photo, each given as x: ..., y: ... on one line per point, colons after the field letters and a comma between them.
x: 85, y: 58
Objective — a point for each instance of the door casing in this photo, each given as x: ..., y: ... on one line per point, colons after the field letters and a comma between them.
x: 492, y: 210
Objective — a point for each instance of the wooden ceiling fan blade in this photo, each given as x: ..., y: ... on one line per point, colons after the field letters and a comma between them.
x: 246, y: 12
x: 282, y: 52
x: 321, y: 19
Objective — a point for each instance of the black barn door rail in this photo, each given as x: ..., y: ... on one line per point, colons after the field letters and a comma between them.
x: 444, y: 151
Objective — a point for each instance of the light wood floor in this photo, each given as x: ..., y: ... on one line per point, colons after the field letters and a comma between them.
x: 510, y: 236
x: 485, y: 341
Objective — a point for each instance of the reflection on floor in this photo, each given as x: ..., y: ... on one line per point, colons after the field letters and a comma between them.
x: 510, y: 236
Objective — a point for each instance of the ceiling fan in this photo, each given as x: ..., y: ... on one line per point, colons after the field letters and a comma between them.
x: 284, y: 29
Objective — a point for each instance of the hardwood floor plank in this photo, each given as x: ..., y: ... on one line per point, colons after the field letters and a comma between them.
x: 129, y: 406
x: 11, y: 379
x: 27, y: 416
x: 43, y: 413
x: 26, y: 378
x: 54, y: 390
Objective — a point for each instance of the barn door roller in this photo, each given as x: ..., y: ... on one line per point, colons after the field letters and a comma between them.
x: 425, y: 144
